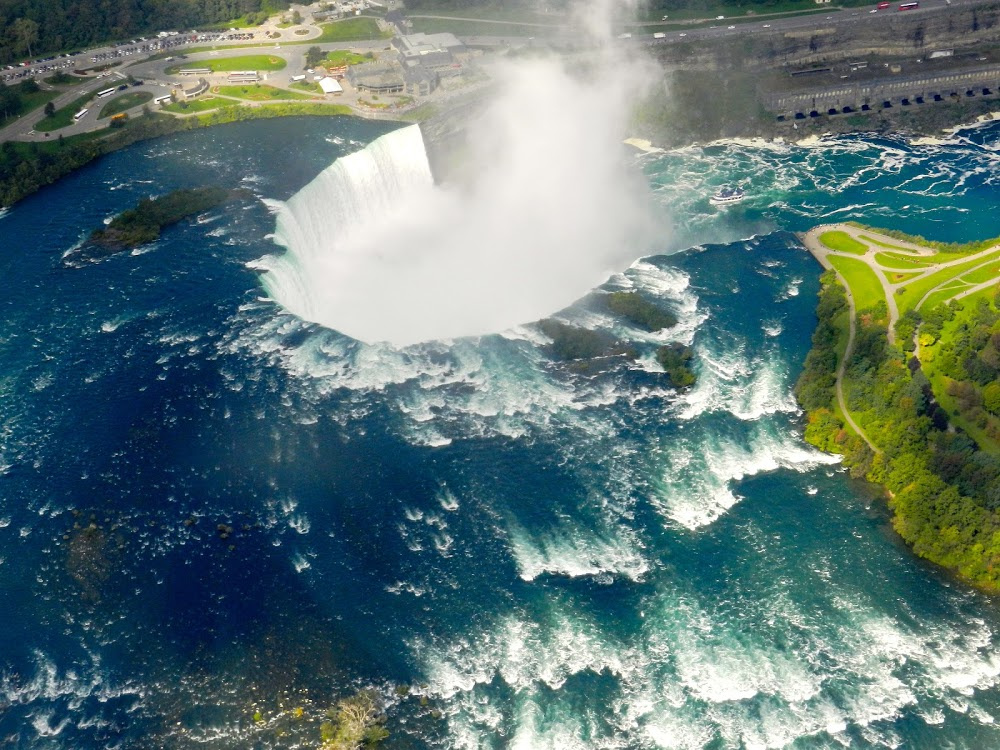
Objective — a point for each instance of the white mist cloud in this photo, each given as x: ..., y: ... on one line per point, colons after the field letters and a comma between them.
x: 377, y: 251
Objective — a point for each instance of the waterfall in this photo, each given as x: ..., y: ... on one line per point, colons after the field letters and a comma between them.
x: 324, y: 225
x: 378, y: 251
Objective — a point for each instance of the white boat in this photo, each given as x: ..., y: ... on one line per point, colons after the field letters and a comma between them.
x: 727, y: 195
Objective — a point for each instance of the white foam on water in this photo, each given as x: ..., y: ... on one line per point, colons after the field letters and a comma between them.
x: 576, y: 553
x: 730, y: 380
x: 522, y: 653
x: 758, y: 673
x: 446, y: 498
x: 695, y: 487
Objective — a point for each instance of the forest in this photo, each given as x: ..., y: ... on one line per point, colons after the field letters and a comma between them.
x: 31, y: 28
x: 944, y: 486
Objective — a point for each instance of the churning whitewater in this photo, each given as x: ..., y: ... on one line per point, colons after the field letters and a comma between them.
x: 214, y: 513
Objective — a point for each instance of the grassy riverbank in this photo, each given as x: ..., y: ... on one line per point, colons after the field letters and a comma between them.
x: 929, y: 402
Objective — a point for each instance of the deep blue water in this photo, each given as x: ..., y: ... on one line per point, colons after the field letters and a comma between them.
x: 547, y: 557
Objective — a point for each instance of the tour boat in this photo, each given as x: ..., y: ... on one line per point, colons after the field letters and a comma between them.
x: 727, y: 195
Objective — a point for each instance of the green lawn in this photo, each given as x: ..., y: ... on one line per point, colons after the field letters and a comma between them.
x: 123, y: 102
x: 201, y: 104
x: 63, y: 116
x: 843, y: 242
x: 345, y: 57
x: 64, y: 79
x: 944, y: 294
x: 308, y: 86
x: 898, y: 277
x: 258, y: 92
x: 904, y: 261
x: 236, y: 112
x: 913, y: 293
x: 29, y: 103
x: 880, y: 243
x: 350, y: 29
x: 864, y: 284
x: 987, y: 272
x: 244, y: 62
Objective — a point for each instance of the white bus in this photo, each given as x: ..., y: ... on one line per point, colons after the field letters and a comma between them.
x: 80, y: 115
x: 162, y: 99
x: 106, y: 92
x: 298, y: 78
x: 243, y: 76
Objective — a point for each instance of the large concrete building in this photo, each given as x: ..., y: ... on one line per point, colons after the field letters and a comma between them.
x: 377, y: 77
x: 428, y: 50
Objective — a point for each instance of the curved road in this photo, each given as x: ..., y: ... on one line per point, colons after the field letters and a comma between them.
x: 988, y: 256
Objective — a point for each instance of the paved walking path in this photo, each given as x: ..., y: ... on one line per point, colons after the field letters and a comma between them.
x: 876, y: 244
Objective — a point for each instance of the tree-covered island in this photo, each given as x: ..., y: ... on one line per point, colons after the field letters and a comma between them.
x: 902, y: 380
x: 143, y: 224
x: 582, y: 346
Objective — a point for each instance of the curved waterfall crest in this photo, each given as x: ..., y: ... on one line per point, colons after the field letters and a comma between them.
x: 378, y: 251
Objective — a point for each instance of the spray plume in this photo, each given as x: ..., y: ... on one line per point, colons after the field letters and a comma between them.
x: 378, y: 251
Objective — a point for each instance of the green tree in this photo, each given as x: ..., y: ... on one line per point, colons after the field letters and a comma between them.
x: 25, y: 33
x: 50, y: 109
x: 991, y: 398
x: 314, y: 56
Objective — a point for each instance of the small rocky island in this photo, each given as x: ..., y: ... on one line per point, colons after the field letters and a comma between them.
x: 143, y: 224
x: 582, y: 345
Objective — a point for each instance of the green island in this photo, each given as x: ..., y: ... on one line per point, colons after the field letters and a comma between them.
x: 902, y: 380
x: 143, y: 224
x: 638, y: 310
x: 581, y: 347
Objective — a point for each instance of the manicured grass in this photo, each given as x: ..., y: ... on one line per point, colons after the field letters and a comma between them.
x: 914, y: 292
x: 236, y: 113
x: 898, y: 277
x: 123, y: 102
x: 63, y: 116
x: 843, y: 242
x: 258, y: 93
x: 987, y: 272
x: 345, y: 57
x: 310, y: 86
x: 942, y: 295
x: 29, y: 103
x: 880, y: 243
x: 244, y: 62
x: 904, y: 261
x: 53, y: 145
x: 64, y: 79
x: 350, y: 29
x: 202, y: 104
x: 865, y: 286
